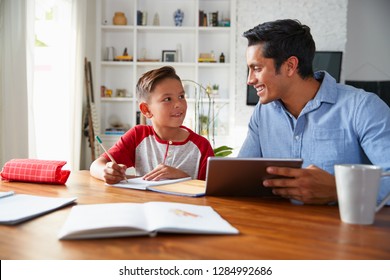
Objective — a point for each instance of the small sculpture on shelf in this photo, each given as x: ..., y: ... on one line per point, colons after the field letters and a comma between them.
x: 108, y: 92
x: 119, y: 19
x: 178, y: 17
x: 121, y: 92
x: 222, y: 58
x: 156, y: 19
x: 124, y: 57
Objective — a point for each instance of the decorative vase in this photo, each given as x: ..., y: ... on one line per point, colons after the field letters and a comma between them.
x: 178, y: 17
x: 119, y: 19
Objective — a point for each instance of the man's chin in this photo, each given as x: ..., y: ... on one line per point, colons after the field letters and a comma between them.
x: 264, y: 101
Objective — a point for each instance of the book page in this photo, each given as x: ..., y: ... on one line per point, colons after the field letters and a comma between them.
x: 5, y: 194
x: 192, y: 188
x: 141, y: 184
x: 186, y: 218
x: 20, y: 207
x: 105, y: 220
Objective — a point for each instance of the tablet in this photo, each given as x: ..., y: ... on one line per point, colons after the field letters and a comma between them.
x: 228, y: 176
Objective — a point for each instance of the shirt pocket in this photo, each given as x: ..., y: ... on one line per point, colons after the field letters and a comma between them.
x: 328, y: 148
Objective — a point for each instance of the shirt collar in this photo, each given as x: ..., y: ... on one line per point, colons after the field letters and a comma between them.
x: 327, y: 92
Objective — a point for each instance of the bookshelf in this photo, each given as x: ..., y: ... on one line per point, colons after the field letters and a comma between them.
x: 152, y: 46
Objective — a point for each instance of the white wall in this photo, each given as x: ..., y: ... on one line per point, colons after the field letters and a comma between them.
x: 327, y: 20
x: 366, y: 45
x: 367, y: 56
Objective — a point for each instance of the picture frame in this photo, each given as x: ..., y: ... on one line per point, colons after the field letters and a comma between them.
x: 169, y: 56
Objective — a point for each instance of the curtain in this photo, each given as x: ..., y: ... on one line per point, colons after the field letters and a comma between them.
x: 15, y: 78
x: 41, y: 121
x: 78, y: 41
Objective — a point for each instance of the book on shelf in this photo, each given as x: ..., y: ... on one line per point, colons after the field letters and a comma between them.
x: 182, y: 186
x: 17, y: 208
x: 109, y: 220
x: 114, y: 131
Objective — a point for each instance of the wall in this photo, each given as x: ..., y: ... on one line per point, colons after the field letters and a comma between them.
x: 328, y: 23
x: 327, y: 19
x: 367, y: 56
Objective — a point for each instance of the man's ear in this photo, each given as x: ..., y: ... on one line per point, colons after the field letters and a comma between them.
x: 144, y: 108
x: 292, y: 65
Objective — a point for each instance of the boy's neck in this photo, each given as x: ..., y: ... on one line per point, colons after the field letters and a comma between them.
x: 175, y: 134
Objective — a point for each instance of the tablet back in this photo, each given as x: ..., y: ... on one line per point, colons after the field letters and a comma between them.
x: 242, y: 176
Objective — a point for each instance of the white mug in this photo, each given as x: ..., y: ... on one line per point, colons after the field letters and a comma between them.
x: 357, y: 190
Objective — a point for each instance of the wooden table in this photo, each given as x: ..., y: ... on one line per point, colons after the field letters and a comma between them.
x: 270, y: 229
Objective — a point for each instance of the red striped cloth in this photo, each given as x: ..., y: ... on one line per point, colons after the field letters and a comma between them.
x: 35, y: 170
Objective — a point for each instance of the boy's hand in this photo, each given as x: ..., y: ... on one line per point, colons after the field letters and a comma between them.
x: 163, y: 171
x: 114, y: 173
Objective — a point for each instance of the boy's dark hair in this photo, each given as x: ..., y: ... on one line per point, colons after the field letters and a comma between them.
x: 148, y: 81
x: 282, y: 39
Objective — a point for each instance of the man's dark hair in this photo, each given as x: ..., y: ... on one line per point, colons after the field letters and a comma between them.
x: 282, y: 39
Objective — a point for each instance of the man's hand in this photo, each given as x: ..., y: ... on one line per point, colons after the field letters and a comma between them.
x: 163, y: 171
x: 310, y: 185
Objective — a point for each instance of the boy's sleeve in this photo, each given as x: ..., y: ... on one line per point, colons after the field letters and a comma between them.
x: 206, y: 151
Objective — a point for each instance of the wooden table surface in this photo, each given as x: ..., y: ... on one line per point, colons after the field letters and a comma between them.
x: 270, y: 229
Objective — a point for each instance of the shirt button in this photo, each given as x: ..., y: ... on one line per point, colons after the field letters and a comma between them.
x: 296, y: 137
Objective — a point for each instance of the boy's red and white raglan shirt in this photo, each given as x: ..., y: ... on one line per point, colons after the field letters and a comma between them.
x: 141, y: 148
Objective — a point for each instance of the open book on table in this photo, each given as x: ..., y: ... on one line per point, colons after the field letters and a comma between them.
x: 132, y: 219
x: 17, y: 208
x: 182, y: 186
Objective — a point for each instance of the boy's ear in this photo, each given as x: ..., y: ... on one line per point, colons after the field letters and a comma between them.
x: 144, y: 108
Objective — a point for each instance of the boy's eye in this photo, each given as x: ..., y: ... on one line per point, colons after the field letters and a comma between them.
x: 182, y: 96
x: 167, y: 99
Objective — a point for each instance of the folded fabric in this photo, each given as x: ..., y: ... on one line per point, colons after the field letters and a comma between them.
x: 35, y: 170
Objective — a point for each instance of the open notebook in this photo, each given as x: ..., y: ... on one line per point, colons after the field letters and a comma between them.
x: 17, y: 208
x: 157, y: 186
x: 133, y: 219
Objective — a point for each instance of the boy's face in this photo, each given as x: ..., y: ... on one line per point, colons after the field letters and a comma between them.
x: 167, y: 105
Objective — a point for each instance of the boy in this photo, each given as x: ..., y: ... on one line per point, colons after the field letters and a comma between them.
x: 164, y: 150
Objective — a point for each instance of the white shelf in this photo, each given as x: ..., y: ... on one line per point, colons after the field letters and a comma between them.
x: 116, y: 28
x: 117, y: 99
x: 152, y: 40
x: 148, y: 28
x: 117, y: 63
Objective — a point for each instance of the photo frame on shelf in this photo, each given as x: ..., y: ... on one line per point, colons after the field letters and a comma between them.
x: 169, y: 56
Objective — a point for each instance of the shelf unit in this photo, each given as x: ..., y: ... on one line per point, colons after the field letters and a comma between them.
x: 147, y: 42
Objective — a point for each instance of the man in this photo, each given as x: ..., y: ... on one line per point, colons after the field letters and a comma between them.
x: 308, y: 115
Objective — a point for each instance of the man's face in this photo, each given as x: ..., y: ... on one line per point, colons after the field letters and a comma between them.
x: 262, y: 76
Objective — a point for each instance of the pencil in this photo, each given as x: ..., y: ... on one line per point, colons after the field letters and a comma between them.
x: 109, y: 155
